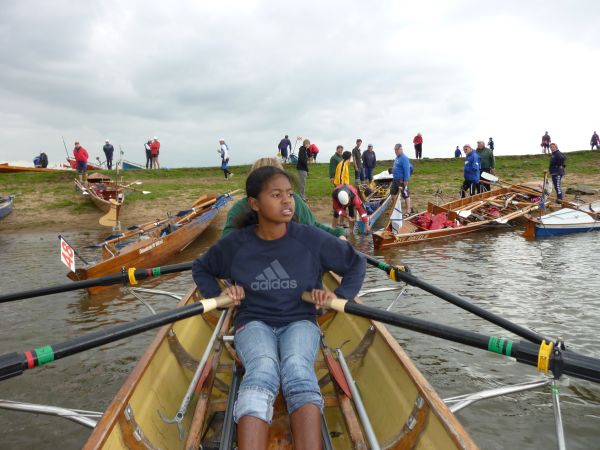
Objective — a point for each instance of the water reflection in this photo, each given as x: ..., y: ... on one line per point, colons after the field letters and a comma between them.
x: 549, y: 286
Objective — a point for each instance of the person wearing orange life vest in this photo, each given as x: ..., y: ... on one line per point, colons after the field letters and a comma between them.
x: 346, y: 202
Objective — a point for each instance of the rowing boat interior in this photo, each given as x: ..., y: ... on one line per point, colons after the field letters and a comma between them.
x: 403, y: 408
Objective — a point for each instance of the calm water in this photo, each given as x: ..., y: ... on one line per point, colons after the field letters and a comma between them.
x: 550, y: 286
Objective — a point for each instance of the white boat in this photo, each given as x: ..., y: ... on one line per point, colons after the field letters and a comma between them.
x: 575, y: 219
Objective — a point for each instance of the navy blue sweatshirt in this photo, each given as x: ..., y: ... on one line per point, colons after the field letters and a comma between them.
x: 274, y: 274
x: 557, y: 163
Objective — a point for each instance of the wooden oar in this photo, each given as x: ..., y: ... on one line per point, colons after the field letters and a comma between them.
x: 14, y: 364
x: 561, y: 360
x: 137, y: 190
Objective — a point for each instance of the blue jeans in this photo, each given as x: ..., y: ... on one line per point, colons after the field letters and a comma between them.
x: 368, y: 173
x: 274, y: 356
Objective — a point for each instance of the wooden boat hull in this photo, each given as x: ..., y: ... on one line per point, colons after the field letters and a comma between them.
x: 411, y: 233
x: 73, y: 163
x: 561, y: 222
x: 149, y: 252
x: 6, y: 206
x: 394, y: 392
x: 7, y: 168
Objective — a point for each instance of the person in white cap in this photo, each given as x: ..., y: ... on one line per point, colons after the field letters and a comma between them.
x: 108, y: 152
x: 154, y: 151
x: 224, y: 152
x: 346, y: 202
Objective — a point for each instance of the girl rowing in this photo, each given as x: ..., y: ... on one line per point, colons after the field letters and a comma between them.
x: 272, y: 260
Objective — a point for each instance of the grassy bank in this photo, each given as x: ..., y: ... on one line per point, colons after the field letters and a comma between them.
x: 50, y: 199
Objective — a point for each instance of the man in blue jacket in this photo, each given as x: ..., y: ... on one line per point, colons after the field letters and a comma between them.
x: 471, y: 172
x: 401, y: 173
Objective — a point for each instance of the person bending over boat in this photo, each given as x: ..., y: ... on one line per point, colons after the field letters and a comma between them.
x: 471, y: 172
x: 401, y: 171
x: 272, y: 260
x: 557, y: 170
x: 302, y: 214
x: 346, y: 202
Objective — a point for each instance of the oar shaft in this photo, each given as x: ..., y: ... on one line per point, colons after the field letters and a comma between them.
x: 107, y: 280
x: 572, y: 363
x: 525, y: 333
x: 14, y: 364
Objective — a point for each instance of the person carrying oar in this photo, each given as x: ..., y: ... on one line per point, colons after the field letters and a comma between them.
x: 276, y: 336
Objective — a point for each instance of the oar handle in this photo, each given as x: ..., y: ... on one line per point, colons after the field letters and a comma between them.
x: 571, y: 363
x: 337, y: 304
x: 14, y: 364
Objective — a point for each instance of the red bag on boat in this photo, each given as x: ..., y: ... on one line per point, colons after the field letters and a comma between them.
x: 423, y: 221
x: 438, y: 221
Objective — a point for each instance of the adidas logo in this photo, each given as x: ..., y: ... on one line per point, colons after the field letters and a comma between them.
x: 273, y: 277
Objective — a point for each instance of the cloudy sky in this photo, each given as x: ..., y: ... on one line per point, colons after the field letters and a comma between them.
x: 191, y: 72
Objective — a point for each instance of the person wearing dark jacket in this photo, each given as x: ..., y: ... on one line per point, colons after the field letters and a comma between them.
x: 108, y: 152
x: 302, y: 167
x: 284, y: 146
x: 148, y: 154
x: 276, y: 333
x: 595, y: 141
x: 557, y: 170
x: 369, y: 162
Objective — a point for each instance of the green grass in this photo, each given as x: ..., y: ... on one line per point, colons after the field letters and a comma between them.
x: 57, y: 191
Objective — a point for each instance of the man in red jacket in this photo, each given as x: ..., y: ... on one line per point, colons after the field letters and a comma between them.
x: 418, y: 141
x: 346, y: 200
x: 81, y: 156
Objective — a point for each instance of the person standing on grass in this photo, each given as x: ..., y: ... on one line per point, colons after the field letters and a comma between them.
x: 276, y: 333
x: 155, y: 151
x: 491, y: 144
x: 342, y: 172
x: 81, y: 158
x: 313, y: 151
x: 369, y: 161
x: 148, y: 149
x: 471, y: 171
x: 224, y: 152
x: 457, y: 153
x: 595, y: 141
x: 418, y: 143
x: 334, y: 161
x: 487, y: 162
x: 108, y: 152
x: 359, y: 175
x: 302, y: 167
x: 546, y: 143
x: 401, y: 173
x: 284, y: 146
x: 557, y: 170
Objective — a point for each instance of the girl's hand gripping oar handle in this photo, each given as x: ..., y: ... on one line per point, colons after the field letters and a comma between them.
x: 13, y: 364
x: 336, y: 304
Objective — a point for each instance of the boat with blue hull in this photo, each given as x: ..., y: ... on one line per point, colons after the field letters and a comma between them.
x: 573, y: 219
x: 6, y: 206
x: 131, y: 165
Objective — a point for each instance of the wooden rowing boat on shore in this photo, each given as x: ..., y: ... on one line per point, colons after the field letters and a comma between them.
x: 466, y: 215
x: 7, y: 168
x: 377, y: 199
x: 404, y: 410
x: 6, y: 206
x: 106, y: 194
x: 155, y: 242
x: 572, y: 219
x: 73, y: 163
